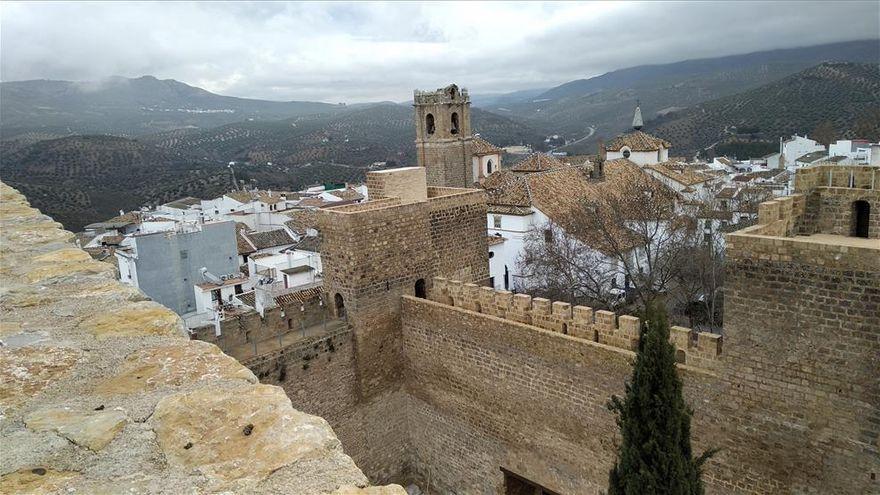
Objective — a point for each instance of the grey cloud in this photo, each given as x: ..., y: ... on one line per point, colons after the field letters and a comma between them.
x: 372, y: 51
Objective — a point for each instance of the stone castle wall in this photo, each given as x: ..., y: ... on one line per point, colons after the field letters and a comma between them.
x: 239, y: 332
x: 101, y: 392
x: 318, y: 374
x: 498, y: 380
x: 489, y: 392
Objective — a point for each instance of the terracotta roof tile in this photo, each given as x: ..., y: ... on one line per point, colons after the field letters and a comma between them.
x: 481, y: 147
x: 505, y: 188
x: 509, y: 210
x: 243, y: 244
x: 298, y: 297
x: 309, y: 243
x: 495, y: 240
x: 637, y: 141
x: 302, y: 220
x: 537, y: 162
x: 347, y: 194
x: 679, y: 173
x: 268, y: 239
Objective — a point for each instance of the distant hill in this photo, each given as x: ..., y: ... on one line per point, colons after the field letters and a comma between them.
x: 383, y: 132
x: 82, y: 179
x: 130, y: 107
x: 606, y: 102
x: 846, y: 94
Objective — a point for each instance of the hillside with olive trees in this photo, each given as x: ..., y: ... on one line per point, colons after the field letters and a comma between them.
x: 842, y: 98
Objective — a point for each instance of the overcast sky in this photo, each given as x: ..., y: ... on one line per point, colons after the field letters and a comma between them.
x: 381, y: 51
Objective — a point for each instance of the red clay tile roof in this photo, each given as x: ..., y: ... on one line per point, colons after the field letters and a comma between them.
x: 347, y: 194
x: 482, y: 147
x: 637, y: 141
x: 301, y: 220
x: 505, y: 188
x: 313, y: 202
x: 495, y: 239
x: 243, y: 244
x: 509, y: 210
x: 679, y: 173
x: 560, y: 194
x: 537, y: 162
x: 271, y: 238
x: 298, y: 297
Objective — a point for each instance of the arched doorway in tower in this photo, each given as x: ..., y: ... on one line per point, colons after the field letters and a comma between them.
x: 339, y: 304
x: 420, y: 291
x: 454, y: 123
x: 861, y: 218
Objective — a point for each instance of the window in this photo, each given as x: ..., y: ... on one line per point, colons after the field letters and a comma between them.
x: 454, y: 123
x: 626, y: 152
x: 429, y: 124
x: 548, y: 235
x: 184, y: 254
x: 496, y: 221
x: 491, y: 255
x: 489, y: 166
x: 340, y: 305
x: 420, y: 290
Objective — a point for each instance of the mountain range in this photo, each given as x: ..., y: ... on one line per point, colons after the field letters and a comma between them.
x: 602, y: 106
x: 82, y: 151
x: 845, y: 95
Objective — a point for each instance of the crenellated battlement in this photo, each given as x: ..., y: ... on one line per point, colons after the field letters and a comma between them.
x: 449, y: 94
x: 698, y: 349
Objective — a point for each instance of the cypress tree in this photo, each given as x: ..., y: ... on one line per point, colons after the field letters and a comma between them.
x: 655, y: 455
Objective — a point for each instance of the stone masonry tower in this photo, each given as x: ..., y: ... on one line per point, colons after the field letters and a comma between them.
x: 443, y: 136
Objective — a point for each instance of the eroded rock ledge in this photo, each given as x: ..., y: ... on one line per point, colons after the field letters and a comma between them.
x: 101, y: 392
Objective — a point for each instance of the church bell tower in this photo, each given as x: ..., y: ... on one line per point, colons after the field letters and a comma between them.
x: 443, y: 136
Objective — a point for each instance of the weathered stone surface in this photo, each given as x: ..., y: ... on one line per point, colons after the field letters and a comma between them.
x: 174, y: 365
x: 68, y: 382
x: 239, y: 434
x: 36, y: 480
x: 25, y: 371
x: 93, y: 430
x: 371, y: 490
x: 141, y: 318
x: 64, y: 262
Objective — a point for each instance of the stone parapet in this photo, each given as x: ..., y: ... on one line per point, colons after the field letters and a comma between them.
x: 101, y: 391
x: 698, y: 349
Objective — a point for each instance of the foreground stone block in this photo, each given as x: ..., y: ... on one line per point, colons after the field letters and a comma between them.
x: 36, y: 480
x: 93, y: 430
x: 26, y: 371
x: 173, y: 366
x: 239, y: 434
x: 141, y: 318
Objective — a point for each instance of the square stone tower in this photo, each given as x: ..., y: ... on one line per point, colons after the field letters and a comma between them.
x: 802, y: 337
x: 393, y: 245
x: 443, y: 136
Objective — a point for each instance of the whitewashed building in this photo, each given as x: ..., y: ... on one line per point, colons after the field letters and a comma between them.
x: 637, y: 146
